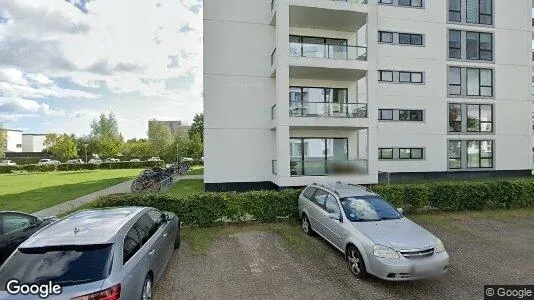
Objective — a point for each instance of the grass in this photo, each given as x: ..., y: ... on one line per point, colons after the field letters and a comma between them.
x: 30, y: 192
x: 186, y: 186
x: 202, y: 238
x: 196, y: 170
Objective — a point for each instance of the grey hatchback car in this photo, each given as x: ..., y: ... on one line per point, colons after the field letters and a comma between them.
x: 375, y: 237
x: 115, y: 253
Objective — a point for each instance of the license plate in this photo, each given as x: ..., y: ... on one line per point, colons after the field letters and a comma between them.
x: 423, y: 269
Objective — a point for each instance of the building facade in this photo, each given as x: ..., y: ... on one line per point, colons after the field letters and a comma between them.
x: 33, y: 142
x: 174, y: 126
x: 303, y: 91
x: 14, y: 141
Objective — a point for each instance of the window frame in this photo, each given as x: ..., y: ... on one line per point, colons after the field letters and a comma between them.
x: 479, y: 48
x: 480, y: 157
x: 380, y: 114
x: 454, y: 157
x: 381, y: 153
x: 380, y: 35
x: 420, y: 113
x: 381, y: 77
x: 454, y: 11
x: 455, y: 121
x: 325, y: 159
x: 480, y: 86
x: 411, y: 150
x: 480, y: 122
x: 455, y: 48
x: 411, y: 4
x: 410, y: 38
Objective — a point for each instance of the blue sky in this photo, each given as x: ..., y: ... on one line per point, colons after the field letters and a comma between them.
x: 63, y: 62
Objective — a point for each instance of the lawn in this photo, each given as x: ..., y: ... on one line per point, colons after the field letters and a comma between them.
x: 30, y: 192
x: 196, y: 170
x: 186, y: 186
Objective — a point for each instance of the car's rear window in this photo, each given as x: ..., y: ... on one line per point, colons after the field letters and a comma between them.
x: 65, y: 265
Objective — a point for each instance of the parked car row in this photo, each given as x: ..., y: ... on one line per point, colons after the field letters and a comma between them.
x: 116, y: 253
x: 7, y: 162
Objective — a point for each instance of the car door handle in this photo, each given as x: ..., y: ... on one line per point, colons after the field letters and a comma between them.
x: 165, y: 234
x: 151, y: 252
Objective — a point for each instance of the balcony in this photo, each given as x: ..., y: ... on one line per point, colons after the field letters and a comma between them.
x: 328, y: 167
x: 327, y: 51
x: 327, y: 109
x: 339, y: 15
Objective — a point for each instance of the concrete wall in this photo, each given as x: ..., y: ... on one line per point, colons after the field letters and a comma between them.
x: 14, y: 141
x: 33, y: 142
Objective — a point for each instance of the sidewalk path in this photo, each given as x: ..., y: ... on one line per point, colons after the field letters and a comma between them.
x: 116, y: 189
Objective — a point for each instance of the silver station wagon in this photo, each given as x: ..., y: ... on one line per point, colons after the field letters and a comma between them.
x: 375, y: 237
x: 116, y: 253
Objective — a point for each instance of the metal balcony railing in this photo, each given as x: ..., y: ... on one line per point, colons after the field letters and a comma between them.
x: 321, y: 167
x: 327, y: 51
x: 328, y: 109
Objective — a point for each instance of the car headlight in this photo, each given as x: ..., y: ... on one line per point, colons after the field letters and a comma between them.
x: 439, y: 246
x: 385, y: 252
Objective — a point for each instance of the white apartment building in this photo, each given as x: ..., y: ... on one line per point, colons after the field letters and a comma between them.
x: 33, y: 142
x: 303, y: 91
x: 14, y: 141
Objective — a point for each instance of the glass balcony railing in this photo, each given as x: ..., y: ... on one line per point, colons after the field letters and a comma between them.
x: 327, y: 51
x: 328, y: 109
x: 328, y: 167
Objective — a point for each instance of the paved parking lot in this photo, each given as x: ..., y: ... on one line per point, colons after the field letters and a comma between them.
x: 261, y: 265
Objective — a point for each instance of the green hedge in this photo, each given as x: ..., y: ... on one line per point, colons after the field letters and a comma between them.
x: 79, y: 167
x: 205, y: 209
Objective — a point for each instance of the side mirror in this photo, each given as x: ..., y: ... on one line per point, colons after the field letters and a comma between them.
x: 334, y: 216
x: 400, y: 210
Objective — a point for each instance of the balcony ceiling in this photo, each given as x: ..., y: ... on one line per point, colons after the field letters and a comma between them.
x: 330, y: 19
x: 320, y: 73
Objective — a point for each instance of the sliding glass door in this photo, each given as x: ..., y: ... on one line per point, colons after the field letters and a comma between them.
x: 310, y: 156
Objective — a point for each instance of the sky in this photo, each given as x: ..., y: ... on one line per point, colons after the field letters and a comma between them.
x: 64, y: 62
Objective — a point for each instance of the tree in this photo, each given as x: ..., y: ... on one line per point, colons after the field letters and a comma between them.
x: 105, y: 135
x: 3, y: 141
x: 160, y: 139
x: 61, y: 146
x: 197, y: 128
x: 137, y: 148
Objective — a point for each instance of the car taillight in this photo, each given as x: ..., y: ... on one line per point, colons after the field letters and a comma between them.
x: 112, y: 293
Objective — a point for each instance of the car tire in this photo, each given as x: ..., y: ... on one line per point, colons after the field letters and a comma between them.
x: 356, y: 263
x: 306, y: 226
x: 146, y: 293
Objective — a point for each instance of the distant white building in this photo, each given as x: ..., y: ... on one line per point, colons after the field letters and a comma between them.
x: 33, y: 142
x: 14, y: 141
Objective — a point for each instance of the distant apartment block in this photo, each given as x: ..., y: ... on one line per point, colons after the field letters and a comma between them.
x: 14, y: 140
x: 174, y: 126
x: 33, y: 142
x: 304, y: 91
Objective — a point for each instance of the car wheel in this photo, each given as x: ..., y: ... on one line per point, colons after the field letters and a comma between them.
x: 147, y: 289
x: 356, y: 263
x: 306, y: 226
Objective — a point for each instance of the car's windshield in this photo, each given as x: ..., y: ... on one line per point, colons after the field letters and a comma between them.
x: 66, y: 266
x: 368, y: 208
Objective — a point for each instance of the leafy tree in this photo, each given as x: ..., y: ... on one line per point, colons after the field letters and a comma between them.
x: 106, y: 137
x: 136, y: 148
x: 160, y: 139
x: 197, y: 128
x: 3, y: 141
x: 61, y: 146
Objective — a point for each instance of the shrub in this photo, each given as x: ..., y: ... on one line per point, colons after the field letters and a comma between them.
x: 206, y: 209
x: 9, y: 169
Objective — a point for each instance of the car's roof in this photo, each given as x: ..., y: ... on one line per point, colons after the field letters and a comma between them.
x: 345, y: 190
x: 98, y: 226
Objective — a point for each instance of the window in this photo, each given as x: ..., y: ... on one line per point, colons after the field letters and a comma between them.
x: 410, y: 115
x: 385, y: 114
x: 316, y: 47
x: 475, y: 82
x: 479, y: 154
x: 386, y: 76
x: 411, y: 153
x: 312, y: 156
x: 145, y: 228
x: 320, y: 197
x: 455, y: 81
x: 385, y: 153
x: 11, y: 222
x: 410, y: 39
x: 308, y: 193
x: 455, y: 154
x: 385, y: 1
x: 455, y: 10
x: 476, y: 11
x: 455, y: 117
x: 479, y: 82
x: 412, y: 3
x: 331, y: 205
x: 479, y: 46
x: 455, y: 44
x: 155, y: 216
x: 19, y: 145
x: 132, y: 244
x: 385, y: 37
x: 479, y: 118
